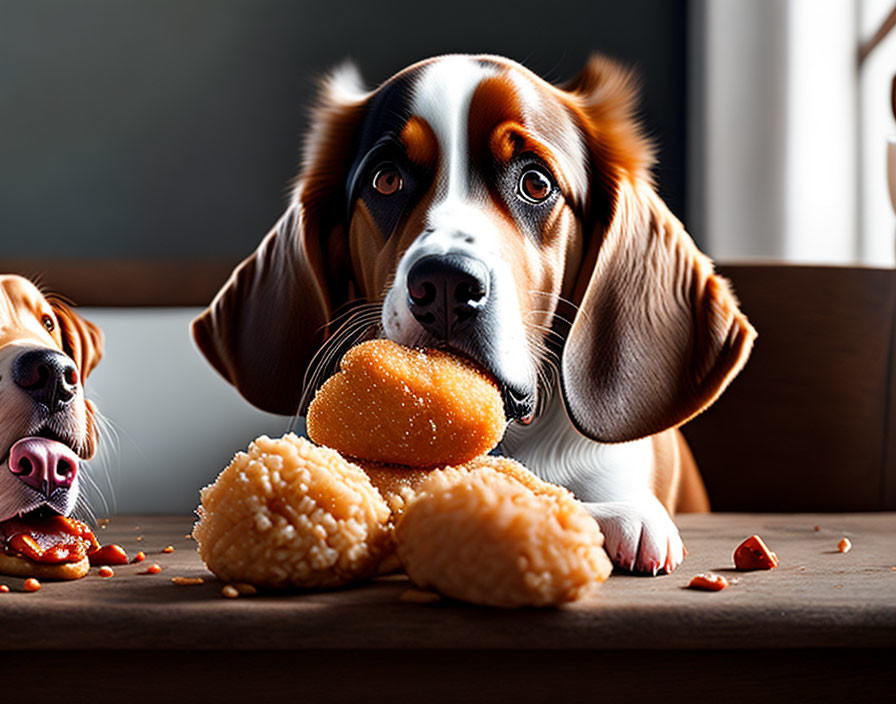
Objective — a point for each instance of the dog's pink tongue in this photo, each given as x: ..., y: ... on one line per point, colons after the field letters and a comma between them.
x: 43, y: 464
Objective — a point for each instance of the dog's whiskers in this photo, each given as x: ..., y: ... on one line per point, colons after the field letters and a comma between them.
x: 556, y: 296
x: 545, y: 358
x: 108, y: 449
x: 83, y: 511
x: 356, y: 323
x: 554, y: 315
x: 548, y: 331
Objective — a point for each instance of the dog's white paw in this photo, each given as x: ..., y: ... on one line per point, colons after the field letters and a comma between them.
x: 639, y: 536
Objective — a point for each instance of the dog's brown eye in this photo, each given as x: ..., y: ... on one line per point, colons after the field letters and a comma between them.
x: 387, y: 180
x: 535, y: 186
x: 49, y: 323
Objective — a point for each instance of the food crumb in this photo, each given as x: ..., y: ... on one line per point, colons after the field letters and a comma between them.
x: 32, y: 585
x: 188, y: 536
x: 106, y: 572
x: 816, y: 528
x: 844, y: 545
x: 187, y: 581
x: 5, y: 590
x: 708, y: 582
x: 838, y: 586
x: 154, y: 568
x: 230, y: 591
x: 139, y: 538
x: 754, y: 554
x: 418, y: 596
x: 108, y: 555
x: 245, y: 589
x: 139, y: 557
x: 168, y: 548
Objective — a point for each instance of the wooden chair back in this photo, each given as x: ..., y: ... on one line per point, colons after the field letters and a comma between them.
x: 807, y: 425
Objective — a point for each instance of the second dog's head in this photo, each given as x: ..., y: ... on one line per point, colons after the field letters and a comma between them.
x: 46, y: 425
x: 462, y: 202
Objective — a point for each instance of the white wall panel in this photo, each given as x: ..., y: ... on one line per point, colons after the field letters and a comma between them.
x: 178, y: 422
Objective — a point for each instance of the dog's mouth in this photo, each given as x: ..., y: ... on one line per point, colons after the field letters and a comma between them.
x: 46, y: 467
x: 24, y: 521
x: 519, y: 401
x: 35, y: 516
x: 46, y: 536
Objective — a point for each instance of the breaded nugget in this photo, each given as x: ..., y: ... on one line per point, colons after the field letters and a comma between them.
x: 287, y: 513
x: 492, y: 533
x: 398, y: 405
x: 396, y: 483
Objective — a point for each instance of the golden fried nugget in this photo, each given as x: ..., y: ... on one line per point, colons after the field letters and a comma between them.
x: 492, y: 533
x: 398, y: 405
x: 289, y: 514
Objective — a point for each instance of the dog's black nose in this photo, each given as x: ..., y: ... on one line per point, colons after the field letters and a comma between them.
x: 445, y: 291
x: 48, y: 376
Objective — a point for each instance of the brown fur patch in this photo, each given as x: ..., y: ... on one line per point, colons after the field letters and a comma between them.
x: 420, y: 142
x: 603, y: 99
x: 495, y: 101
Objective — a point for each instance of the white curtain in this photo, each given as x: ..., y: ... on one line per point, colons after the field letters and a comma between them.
x: 785, y: 162
x: 876, y: 218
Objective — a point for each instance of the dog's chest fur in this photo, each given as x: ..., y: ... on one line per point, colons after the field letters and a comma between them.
x: 554, y: 450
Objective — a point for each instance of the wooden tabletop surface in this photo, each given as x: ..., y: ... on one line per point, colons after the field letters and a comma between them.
x: 816, y: 597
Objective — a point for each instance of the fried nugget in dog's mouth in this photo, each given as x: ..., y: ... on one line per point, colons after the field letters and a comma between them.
x: 399, y: 405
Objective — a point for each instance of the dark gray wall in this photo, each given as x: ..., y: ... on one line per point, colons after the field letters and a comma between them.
x: 172, y: 128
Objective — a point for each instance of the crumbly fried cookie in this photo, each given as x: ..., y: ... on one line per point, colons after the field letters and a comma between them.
x: 289, y: 514
x: 492, y: 533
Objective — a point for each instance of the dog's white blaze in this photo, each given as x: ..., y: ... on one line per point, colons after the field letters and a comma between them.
x: 442, y: 97
x: 455, y: 224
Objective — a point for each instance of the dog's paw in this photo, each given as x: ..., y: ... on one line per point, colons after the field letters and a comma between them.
x: 639, y: 536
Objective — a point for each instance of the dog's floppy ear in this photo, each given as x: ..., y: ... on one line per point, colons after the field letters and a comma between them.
x: 81, y: 339
x: 658, y: 335
x: 270, y: 317
x: 83, y: 342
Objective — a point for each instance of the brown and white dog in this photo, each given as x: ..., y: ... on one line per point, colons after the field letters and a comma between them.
x: 468, y: 204
x: 47, y: 427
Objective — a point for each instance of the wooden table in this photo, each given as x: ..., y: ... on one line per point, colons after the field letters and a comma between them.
x: 821, y: 624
